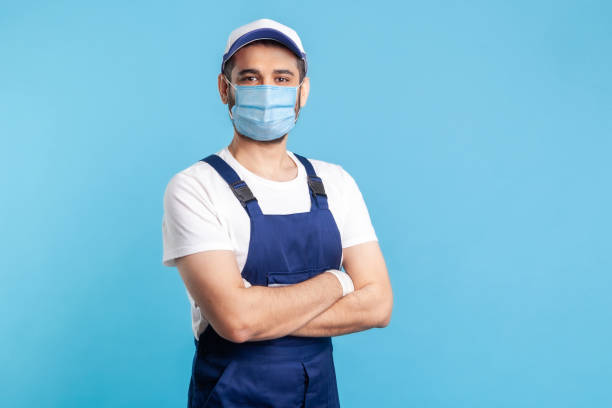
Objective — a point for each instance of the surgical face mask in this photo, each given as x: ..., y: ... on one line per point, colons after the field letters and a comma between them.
x: 264, y: 112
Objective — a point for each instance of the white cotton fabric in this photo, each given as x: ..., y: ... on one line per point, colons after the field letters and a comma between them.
x: 201, y: 212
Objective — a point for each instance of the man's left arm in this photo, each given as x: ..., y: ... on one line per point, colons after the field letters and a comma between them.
x: 368, y: 306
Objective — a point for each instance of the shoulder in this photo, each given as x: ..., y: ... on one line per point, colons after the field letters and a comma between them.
x: 197, y: 179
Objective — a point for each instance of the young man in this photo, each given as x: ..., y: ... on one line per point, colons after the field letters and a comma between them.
x: 259, y: 235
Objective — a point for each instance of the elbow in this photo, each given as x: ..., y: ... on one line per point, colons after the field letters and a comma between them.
x: 384, y: 314
x: 384, y: 321
x: 235, y: 329
x: 237, y: 335
x: 234, y: 333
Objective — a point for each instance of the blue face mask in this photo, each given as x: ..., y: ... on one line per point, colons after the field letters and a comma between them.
x: 264, y: 112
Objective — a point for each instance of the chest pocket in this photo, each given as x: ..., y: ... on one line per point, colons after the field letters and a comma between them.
x: 289, y: 278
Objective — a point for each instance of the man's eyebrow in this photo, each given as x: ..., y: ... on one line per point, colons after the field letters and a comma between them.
x: 249, y: 71
x: 283, y: 71
x: 257, y: 72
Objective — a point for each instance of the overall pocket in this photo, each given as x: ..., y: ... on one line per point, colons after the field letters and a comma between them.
x: 291, y: 277
x: 208, y: 373
x: 322, y: 389
x: 260, y: 383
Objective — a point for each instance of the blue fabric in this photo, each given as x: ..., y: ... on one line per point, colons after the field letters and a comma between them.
x: 321, y: 200
x: 289, y: 371
x: 231, y: 178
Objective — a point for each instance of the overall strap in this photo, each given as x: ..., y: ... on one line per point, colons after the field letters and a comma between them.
x: 315, y: 184
x: 238, y: 186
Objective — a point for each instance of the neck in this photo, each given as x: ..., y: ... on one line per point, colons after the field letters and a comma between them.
x: 267, y: 159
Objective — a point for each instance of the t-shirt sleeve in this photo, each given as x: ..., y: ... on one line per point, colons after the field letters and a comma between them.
x: 190, y: 223
x: 356, y: 226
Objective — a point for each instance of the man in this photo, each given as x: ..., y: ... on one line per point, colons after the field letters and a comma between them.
x: 259, y: 235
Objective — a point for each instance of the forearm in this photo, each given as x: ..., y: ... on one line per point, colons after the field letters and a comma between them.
x: 357, y: 311
x: 272, y: 312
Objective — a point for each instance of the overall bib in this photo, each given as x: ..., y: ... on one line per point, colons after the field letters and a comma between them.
x: 289, y: 371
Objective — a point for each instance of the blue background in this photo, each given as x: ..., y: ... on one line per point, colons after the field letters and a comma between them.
x: 478, y: 132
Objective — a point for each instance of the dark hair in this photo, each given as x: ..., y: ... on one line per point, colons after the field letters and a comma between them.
x: 229, y: 64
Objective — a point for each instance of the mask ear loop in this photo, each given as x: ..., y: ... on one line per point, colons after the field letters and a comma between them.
x: 233, y: 86
x: 299, y: 90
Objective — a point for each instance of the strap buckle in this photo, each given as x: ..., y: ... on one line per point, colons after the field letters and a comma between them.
x: 242, y: 192
x: 316, y: 185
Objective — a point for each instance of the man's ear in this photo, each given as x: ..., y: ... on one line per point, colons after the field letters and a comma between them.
x: 223, y: 88
x: 304, y: 91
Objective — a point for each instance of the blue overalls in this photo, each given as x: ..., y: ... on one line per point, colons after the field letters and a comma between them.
x: 289, y: 371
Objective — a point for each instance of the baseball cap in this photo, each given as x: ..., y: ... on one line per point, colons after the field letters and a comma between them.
x: 261, y: 29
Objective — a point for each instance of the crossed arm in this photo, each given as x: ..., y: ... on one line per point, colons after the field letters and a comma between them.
x: 313, y: 308
x: 368, y: 306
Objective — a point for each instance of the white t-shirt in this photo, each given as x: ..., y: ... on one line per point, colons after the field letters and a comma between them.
x: 202, y: 213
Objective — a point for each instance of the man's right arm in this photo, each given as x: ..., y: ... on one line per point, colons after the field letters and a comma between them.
x: 256, y: 313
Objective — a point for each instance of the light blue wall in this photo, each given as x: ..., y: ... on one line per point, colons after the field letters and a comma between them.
x: 479, y: 134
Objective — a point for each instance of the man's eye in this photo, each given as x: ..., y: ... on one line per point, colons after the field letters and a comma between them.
x: 283, y: 79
